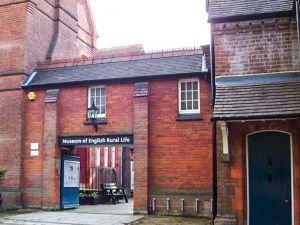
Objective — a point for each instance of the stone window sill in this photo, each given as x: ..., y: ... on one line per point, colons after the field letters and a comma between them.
x: 98, y: 121
x: 189, y: 117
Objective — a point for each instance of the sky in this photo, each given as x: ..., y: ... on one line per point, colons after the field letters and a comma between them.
x: 157, y: 24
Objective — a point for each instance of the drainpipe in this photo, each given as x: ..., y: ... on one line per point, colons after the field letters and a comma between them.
x: 298, y: 29
x: 214, y: 133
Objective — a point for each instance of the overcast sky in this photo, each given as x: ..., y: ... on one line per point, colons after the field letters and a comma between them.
x: 157, y: 24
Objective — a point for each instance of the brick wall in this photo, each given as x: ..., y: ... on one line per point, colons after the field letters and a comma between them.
x: 12, y: 37
x: 27, y: 29
x: 232, y: 183
x: 257, y: 46
x: 179, y: 152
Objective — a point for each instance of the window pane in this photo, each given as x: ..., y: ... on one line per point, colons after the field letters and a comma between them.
x: 183, y: 96
x: 102, y: 91
x: 189, y: 95
x: 97, y: 103
x: 183, y: 86
x: 195, y: 95
x: 183, y: 105
x: 189, y: 85
x: 92, y: 92
x: 97, y: 91
x: 91, y: 101
x: 102, y: 109
x: 102, y: 100
x: 189, y: 105
x: 195, y: 85
x: 195, y: 106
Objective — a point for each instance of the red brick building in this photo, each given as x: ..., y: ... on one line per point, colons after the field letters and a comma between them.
x: 256, y: 111
x: 155, y: 105
x: 160, y: 102
x: 33, y: 31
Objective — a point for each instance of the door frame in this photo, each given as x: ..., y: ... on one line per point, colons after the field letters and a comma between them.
x: 292, y: 174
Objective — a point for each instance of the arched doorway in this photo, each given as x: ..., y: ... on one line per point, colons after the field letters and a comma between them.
x: 270, y: 183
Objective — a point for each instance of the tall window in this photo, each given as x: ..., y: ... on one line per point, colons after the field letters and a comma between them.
x: 189, y: 97
x: 97, y: 95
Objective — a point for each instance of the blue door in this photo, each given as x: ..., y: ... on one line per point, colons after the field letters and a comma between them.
x: 269, y: 163
x: 70, y: 178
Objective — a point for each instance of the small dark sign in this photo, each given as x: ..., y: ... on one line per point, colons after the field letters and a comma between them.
x: 96, y: 140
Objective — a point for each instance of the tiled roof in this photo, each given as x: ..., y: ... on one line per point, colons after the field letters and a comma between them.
x: 220, y: 9
x: 257, y: 96
x: 129, y: 67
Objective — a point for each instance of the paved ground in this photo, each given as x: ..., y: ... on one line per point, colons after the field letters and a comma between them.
x: 104, y: 214
x: 107, y: 214
x: 171, y: 220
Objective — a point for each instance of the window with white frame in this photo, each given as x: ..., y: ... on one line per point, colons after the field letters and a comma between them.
x: 189, y: 96
x: 97, y: 95
x: 113, y: 157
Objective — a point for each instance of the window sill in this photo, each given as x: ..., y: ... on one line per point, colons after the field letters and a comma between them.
x: 188, y: 117
x: 98, y: 121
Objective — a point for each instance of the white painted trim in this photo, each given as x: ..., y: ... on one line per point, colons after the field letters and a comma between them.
x: 179, y: 96
x: 29, y: 79
x: 224, y: 131
x: 292, y: 173
x: 101, y: 115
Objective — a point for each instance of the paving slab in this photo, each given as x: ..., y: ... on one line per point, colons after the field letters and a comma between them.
x: 106, y: 214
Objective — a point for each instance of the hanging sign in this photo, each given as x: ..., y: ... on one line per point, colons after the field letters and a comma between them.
x: 95, y: 140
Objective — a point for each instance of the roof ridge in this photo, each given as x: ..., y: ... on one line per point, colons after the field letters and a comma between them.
x: 189, y: 51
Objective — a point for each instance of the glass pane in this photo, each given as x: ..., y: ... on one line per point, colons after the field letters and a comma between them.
x: 97, y: 103
x: 189, y: 95
x: 92, y: 92
x: 189, y: 105
x: 189, y: 85
x: 97, y: 91
x: 183, y: 96
x: 195, y: 106
x: 195, y: 95
x: 102, y: 109
x: 195, y: 85
x: 102, y: 100
x: 182, y: 86
x: 183, y: 105
x: 102, y: 91
x: 91, y: 101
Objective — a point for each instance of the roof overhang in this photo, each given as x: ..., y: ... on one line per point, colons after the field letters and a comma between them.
x: 257, y: 97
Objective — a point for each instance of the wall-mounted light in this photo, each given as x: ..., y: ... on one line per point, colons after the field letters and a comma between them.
x: 92, y: 113
x: 31, y: 96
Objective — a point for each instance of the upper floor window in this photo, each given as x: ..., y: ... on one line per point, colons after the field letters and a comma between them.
x: 97, y: 95
x: 189, y: 96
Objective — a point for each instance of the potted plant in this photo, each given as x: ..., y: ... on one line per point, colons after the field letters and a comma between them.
x: 93, y: 197
x: 83, y: 198
x: 2, y: 176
